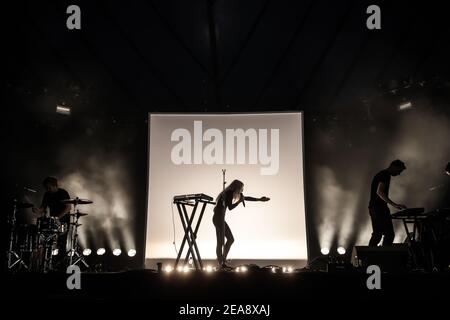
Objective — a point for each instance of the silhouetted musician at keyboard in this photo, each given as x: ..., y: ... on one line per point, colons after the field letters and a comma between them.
x: 378, y: 205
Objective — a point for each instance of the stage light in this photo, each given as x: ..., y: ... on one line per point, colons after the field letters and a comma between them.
x: 185, y: 269
x: 341, y: 250
x: 108, y: 180
x: 209, y: 269
x: 290, y: 269
x: 87, y: 252
x: 101, y: 251
x: 131, y: 252
x: 71, y: 253
x: 325, y: 251
x: 242, y: 269
x: 117, y: 252
x: 64, y: 110
x: 55, y: 252
x: 168, y: 269
x: 274, y: 270
x: 287, y: 269
x: 405, y: 105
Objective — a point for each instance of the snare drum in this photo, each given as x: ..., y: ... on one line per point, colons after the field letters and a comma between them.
x: 48, y: 225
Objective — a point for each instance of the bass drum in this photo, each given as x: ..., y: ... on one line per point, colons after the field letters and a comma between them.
x: 48, y: 225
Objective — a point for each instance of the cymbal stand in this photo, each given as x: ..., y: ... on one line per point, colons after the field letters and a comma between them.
x: 48, y: 241
x: 74, y: 248
x: 13, y: 258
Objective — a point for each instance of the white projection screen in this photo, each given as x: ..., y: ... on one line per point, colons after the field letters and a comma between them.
x: 187, y: 153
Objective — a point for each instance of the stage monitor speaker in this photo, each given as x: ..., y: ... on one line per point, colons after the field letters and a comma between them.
x: 395, y: 258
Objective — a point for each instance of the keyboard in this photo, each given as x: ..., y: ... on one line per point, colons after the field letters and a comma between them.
x: 409, y: 213
x: 193, y: 196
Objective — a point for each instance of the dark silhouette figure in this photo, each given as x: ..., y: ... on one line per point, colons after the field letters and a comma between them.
x: 229, y: 198
x: 52, y: 200
x: 378, y: 205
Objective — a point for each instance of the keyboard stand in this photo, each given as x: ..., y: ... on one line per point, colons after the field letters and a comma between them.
x: 414, y: 238
x: 190, y: 236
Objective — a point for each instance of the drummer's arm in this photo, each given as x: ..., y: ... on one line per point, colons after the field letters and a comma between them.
x: 38, y: 210
x: 65, y: 211
x: 42, y: 208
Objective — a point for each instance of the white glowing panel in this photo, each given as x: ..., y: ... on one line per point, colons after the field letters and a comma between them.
x: 187, y: 153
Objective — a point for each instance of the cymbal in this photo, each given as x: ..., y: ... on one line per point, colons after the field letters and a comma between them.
x: 76, y: 201
x: 23, y: 205
x: 78, y: 214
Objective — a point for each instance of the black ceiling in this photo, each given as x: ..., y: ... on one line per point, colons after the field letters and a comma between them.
x: 222, y: 55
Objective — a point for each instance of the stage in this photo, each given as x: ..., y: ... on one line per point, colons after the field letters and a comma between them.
x: 259, y: 286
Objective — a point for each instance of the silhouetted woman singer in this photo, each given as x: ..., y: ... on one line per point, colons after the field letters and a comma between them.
x: 228, y: 198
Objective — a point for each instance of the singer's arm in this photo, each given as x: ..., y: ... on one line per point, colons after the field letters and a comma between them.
x: 229, y: 202
x: 233, y: 205
x: 246, y: 198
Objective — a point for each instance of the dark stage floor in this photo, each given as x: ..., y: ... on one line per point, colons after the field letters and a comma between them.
x: 256, y: 286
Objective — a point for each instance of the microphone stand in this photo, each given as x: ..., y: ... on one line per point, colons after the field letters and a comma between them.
x: 223, y: 186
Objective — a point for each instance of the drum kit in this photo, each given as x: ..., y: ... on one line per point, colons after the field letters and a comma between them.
x: 32, y: 247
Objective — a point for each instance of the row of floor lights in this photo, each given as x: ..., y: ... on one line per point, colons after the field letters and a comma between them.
x: 116, y: 252
x: 326, y: 251
x: 209, y: 269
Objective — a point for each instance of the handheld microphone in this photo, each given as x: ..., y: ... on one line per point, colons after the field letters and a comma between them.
x: 242, y: 196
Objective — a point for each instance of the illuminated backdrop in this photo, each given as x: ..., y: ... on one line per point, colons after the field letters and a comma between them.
x: 187, y: 154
